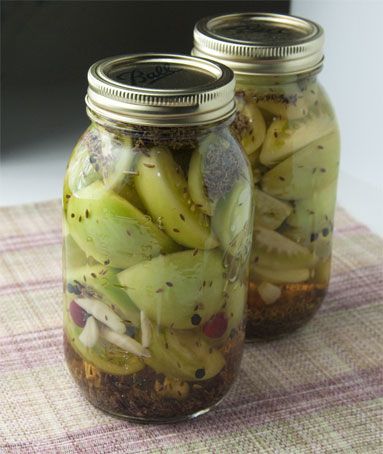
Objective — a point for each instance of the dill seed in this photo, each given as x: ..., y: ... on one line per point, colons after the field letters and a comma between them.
x: 169, y: 284
x: 128, y: 233
x: 195, y: 252
x: 159, y: 290
x: 320, y: 147
x: 72, y: 215
x: 281, y: 178
x: 182, y: 217
x: 79, y: 218
x: 87, y: 213
x: 325, y: 231
x: 176, y: 230
x: 323, y: 170
x: 107, y: 262
x: 150, y: 166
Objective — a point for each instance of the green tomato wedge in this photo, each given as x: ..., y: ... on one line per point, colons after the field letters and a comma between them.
x: 180, y: 290
x: 252, y: 133
x: 233, y: 217
x: 269, y: 211
x: 105, y: 356
x: 164, y: 191
x: 284, y: 137
x: 112, y: 230
x: 274, y: 251
x: 184, y: 354
x: 308, y: 170
x: 103, y: 280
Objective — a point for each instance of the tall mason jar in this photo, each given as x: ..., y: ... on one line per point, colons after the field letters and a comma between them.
x: 288, y: 128
x: 157, y: 212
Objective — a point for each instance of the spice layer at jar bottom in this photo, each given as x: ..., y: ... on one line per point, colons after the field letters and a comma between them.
x: 158, y: 229
x: 289, y: 132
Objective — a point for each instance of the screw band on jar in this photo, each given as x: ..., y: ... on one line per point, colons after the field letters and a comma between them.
x: 260, y: 43
x: 161, y: 90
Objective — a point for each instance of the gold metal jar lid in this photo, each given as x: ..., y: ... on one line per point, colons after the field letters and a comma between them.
x: 161, y: 90
x: 260, y: 43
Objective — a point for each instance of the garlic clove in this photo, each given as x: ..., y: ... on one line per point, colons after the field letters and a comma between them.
x: 269, y: 292
x: 125, y: 342
x: 103, y: 313
x: 90, y: 333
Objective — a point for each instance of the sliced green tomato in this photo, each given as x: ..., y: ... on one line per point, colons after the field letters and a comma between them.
x: 253, y: 135
x: 109, y: 228
x: 105, y: 356
x: 163, y: 190
x: 319, y: 244
x: 316, y: 213
x: 308, y: 170
x: 285, y: 137
x: 234, y: 306
x: 103, y: 280
x: 323, y: 271
x: 281, y: 276
x: 115, y: 160
x: 180, y: 290
x: 269, y: 211
x: 196, y: 184
x: 73, y: 256
x: 289, y: 100
x: 129, y: 193
x: 274, y: 251
x: 184, y: 355
x: 233, y: 217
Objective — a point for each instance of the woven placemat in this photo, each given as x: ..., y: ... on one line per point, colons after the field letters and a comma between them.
x: 319, y: 390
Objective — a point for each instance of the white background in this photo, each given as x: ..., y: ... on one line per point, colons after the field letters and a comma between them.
x: 353, y: 77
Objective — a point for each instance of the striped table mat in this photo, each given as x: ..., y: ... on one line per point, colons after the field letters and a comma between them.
x: 319, y: 390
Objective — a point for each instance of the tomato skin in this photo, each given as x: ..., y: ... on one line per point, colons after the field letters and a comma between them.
x: 216, y: 326
x: 78, y: 315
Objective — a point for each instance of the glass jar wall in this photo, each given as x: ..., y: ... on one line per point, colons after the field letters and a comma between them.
x: 158, y: 227
x: 288, y: 129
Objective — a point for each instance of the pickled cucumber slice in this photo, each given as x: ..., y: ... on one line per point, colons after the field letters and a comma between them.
x: 163, y: 190
x: 282, y: 276
x: 269, y: 211
x: 102, y: 280
x: 104, y: 356
x: 274, y: 251
x: 308, y: 170
x: 112, y: 230
x: 233, y: 217
x: 180, y: 290
x: 184, y: 355
x: 250, y: 126
x: 284, y: 137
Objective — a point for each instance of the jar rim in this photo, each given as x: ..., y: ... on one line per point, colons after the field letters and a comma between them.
x: 260, y: 43
x: 161, y: 90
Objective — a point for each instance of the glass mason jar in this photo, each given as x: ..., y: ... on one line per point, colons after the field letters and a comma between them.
x: 158, y: 223
x: 288, y: 129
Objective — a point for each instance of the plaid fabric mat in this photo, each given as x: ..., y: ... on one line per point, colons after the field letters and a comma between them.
x: 319, y: 390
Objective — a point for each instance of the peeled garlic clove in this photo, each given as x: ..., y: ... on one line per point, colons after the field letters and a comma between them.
x: 90, y: 333
x: 269, y: 292
x: 103, y: 313
x: 146, y: 330
x: 125, y: 342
